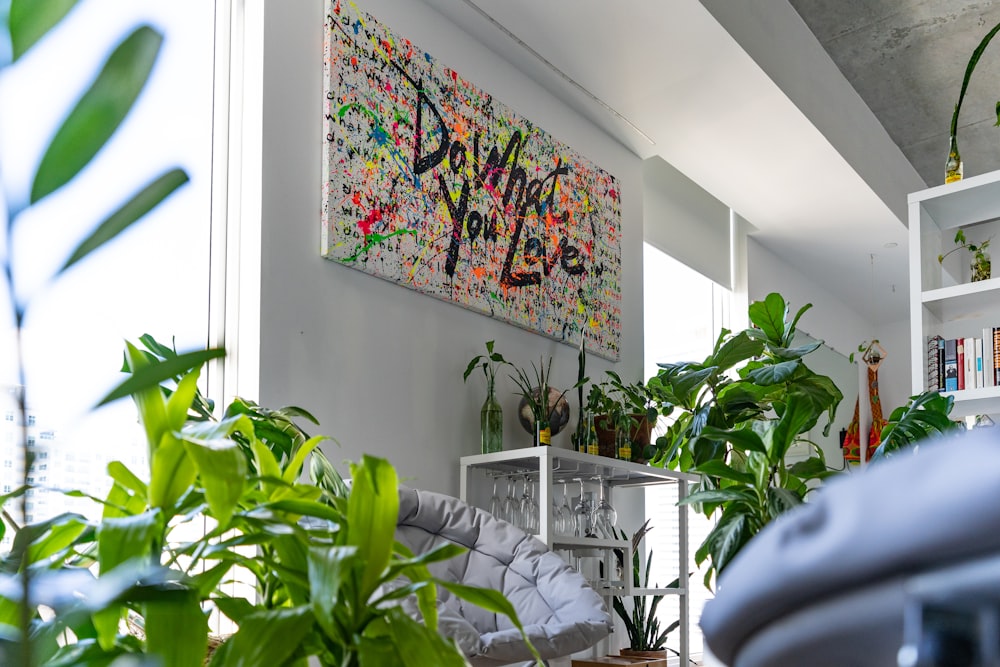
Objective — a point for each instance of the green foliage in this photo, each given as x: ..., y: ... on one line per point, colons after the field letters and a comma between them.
x: 641, y: 624
x: 735, y: 416
x: 973, y: 61
x: 924, y: 416
x: 489, y: 362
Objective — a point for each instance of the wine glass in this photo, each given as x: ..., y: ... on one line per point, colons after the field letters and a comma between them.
x: 496, y: 505
x: 529, y: 507
x: 605, y: 516
x: 565, y: 512
x: 509, y: 508
x: 582, y: 526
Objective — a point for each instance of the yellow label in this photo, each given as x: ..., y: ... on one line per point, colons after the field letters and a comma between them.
x: 545, y: 436
x: 592, y: 448
x: 625, y: 453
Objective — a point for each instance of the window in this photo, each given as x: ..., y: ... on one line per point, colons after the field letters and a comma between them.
x: 125, y: 290
x: 706, y: 308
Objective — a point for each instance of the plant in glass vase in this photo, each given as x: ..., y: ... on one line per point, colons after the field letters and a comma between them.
x: 546, y: 406
x: 981, y: 263
x: 491, y: 415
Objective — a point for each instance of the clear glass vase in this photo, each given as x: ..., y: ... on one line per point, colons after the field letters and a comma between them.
x: 491, y: 423
x: 953, y: 167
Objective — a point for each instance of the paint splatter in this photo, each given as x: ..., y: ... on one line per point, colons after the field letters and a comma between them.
x: 479, y: 206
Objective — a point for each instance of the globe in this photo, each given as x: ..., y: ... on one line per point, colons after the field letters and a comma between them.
x: 558, y: 407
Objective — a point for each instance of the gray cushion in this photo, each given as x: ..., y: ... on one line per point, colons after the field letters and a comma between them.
x: 904, y: 516
x: 560, y: 612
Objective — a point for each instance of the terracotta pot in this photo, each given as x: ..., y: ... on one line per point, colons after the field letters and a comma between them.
x: 639, y: 435
x: 648, y: 655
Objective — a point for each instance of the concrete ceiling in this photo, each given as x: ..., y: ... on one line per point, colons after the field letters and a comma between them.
x: 907, y: 58
x: 742, y: 98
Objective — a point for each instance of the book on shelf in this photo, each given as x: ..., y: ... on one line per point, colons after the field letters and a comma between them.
x: 980, y: 364
x: 996, y: 356
x: 989, y: 380
x: 935, y: 359
x: 960, y: 346
x: 951, y: 364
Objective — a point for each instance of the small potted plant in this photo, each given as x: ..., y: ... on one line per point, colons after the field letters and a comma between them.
x: 981, y: 264
x: 543, y: 409
x: 645, y: 637
x: 491, y: 414
x: 623, y: 412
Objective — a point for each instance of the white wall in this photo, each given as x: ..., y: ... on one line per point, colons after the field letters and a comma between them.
x: 379, y: 365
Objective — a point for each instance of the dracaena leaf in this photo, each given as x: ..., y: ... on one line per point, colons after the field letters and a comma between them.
x: 99, y: 112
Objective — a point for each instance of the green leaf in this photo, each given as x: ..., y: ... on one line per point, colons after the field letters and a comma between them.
x: 810, y: 468
x: 29, y: 20
x: 222, y: 468
x: 774, y: 374
x: 737, y: 349
x: 266, y: 638
x: 147, y: 375
x: 295, y: 465
x: 790, y: 331
x: 99, y: 111
x: 790, y: 353
x: 780, y: 500
x: 132, y: 211
x: 180, y: 401
x: 742, y: 438
x: 372, y: 513
x: 799, y: 412
x: 127, y: 538
x: 717, y: 468
x: 719, y: 496
x: 172, y: 471
x: 727, y: 538
x: 329, y: 568
x: 769, y: 316
x: 177, y: 631
x: 415, y: 645
x: 121, y: 474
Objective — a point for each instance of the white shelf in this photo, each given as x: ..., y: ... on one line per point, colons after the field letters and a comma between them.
x: 978, y: 401
x: 553, y: 465
x: 952, y: 310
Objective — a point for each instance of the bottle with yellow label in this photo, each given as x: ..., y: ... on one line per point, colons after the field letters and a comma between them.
x: 953, y: 167
x: 590, y: 436
x: 623, y: 445
x: 543, y: 434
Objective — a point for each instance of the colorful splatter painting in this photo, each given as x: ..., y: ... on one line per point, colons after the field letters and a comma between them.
x: 435, y: 185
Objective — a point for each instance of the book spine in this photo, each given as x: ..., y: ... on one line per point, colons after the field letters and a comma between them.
x: 951, y: 364
x: 996, y: 356
x: 988, y: 377
x: 960, y: 343
x: 933, y: 364
x: 980, y: 380
x: 941, y: 386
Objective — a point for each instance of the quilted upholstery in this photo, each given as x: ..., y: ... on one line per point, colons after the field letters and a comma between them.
x: 559, y: 611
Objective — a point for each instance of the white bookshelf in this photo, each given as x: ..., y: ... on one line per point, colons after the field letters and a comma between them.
x: 943, y: 300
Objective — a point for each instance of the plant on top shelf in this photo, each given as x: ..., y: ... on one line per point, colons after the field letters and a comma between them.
x: 953, y: 166
x: 981, y: 264
x: 624, y: 414
x: 491, y: 414
x: 641, y: 624
x: 543, y: 403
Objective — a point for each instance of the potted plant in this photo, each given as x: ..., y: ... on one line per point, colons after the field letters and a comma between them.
x: 543, y: 409
x: 491, y: 414
x: 981, y: 264
x: 645, y: 637
x: 623, y: 414
x: 953, y: 167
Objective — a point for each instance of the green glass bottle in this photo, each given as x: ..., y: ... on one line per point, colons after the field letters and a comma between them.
x: 491, y: 423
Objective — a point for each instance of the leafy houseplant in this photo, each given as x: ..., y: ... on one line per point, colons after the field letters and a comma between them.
x: 981, y: 264
x: 924, y: 416
x: 736, y: 414
x: 491, y: 415
x: 953, y: 166
x: 641, y: 624
x: 537, y: 396
x: 625, y: 415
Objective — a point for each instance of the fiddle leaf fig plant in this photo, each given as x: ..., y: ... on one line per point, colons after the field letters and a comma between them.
x: 735, y: 416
